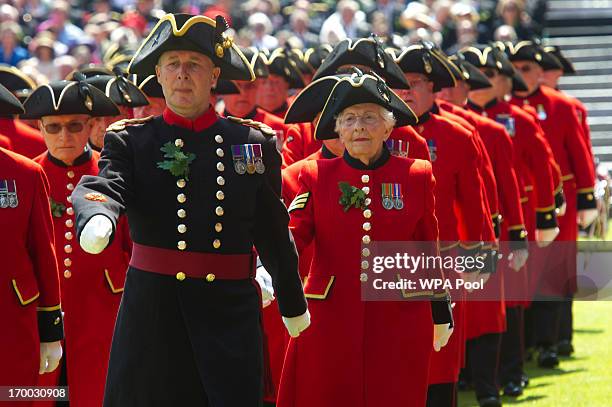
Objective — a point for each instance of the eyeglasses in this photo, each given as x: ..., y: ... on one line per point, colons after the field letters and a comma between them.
x: 368, y: 119
x: 489, y: 73
x: 71, y: 127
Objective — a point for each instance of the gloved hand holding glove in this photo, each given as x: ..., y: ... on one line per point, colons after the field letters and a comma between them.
x: 264, y: 280
x: 586, y: 217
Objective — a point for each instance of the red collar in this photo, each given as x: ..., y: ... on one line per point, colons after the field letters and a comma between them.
x: 204, y: 121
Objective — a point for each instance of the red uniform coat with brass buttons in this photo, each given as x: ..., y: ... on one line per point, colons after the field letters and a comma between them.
x: 24, y: 140
x: 30, y: 295
x: 299, y: 143
x: 91, y: 285
x: 358, y: 353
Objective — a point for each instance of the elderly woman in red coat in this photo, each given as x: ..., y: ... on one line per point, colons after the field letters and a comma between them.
x: 362, y: 353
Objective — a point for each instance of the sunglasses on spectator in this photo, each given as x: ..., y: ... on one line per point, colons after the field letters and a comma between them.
x: 71, y: 127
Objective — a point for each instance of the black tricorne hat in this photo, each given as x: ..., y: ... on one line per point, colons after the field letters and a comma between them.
x: 360, y: 88
x: 192, y: 33
x: 16, y: 81
x: 225, y: 87
x: 531, y: 51
x: 314, y: 57
x: 121, y: 90
x: 469, y: 73
x: 424, y: 59
x: 148, y: 85
x: 280, y: 64
x: 493, y: 56
x: 368, y: 52
x: 568, y: 67
x: 9, y: 104
x: 311, y: 100
x: 254, y: 57
x: 68, y: 97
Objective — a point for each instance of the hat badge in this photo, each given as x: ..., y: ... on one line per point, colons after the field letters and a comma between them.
x: 88, y: 102
x: 427, y: 64
x: 538, y: 57
x: 499, y: 64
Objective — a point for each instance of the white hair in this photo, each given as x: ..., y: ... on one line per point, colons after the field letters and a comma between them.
x: 387, y: 116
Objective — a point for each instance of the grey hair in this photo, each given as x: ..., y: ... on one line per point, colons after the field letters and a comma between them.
x: 387, y: 116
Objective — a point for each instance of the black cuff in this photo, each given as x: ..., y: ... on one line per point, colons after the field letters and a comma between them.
x: 546, y: 220
x: 50, y: 325
x: 473, y: 250
x: 490, y: 260
x: 586, y: 200
x: 518, y: 239
x: 442, y: 312
x: 559, y: 199
x: 497, y: 225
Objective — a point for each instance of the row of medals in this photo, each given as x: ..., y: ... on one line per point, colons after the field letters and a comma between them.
x: 251, y: 167
x: 8, y: 199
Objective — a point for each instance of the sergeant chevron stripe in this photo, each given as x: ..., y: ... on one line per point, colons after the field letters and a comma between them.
x: 299, y: 202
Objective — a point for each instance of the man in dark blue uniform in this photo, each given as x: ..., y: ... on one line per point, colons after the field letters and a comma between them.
x: 200, y: 192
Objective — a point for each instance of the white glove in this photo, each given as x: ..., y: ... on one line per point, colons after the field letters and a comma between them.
x: 561, y: 210
x: 587, y: 216
x: 517, y: 259
x: 50, y: 355
x: 442, y: 333
x: 544, y: 237
x: 264, y: 280
x: 96, y: 234
x: 297, y: 324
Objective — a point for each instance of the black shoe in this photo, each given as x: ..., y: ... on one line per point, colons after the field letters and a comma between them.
x: 513, y: 389
x: 524, y: 380
x: 565, y: 348
x: 491, y: 401
x: 548, y: 358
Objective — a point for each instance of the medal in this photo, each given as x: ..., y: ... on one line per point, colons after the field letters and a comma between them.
x: 431, y: 144
x: 387, y: 202
x: 541, y: 112
x: 396, y: 148
x: 397, y: 197
x: 250, y: 164
x: 507, y: 122
x: 259, y: 165
x: 3, y: 194
x: 238, y: 156
x: 12, y: 194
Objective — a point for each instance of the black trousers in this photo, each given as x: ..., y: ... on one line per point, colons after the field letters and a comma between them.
x: 511, y: 358
x: 442, y: 395
x: 566, y: 320
x: 546, y: 315
x: 483, y: 363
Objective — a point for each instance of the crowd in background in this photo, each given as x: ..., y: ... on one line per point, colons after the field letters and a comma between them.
x: 48, y: 39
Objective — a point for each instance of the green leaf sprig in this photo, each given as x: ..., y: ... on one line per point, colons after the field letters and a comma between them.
x: 57, y: 209
x: 178, y: 162
x: 351, y: 196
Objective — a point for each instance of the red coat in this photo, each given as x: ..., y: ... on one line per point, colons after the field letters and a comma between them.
x: 29, y: 281
x: 358, y: 353
x: 91, y: 285
x: 24, y: 139
x: 299, y: 143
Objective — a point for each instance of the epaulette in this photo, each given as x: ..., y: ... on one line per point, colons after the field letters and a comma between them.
x: 264, y: 128
x: 120, y: 124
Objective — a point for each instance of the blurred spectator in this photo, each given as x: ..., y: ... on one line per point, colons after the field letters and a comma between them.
x: 11, y: 52
x: 347, y: 22
x: 59, y: 23
x: 505, y: 33
x: 44, y: 50
x: 391, y: 10
x: 8, y: 13
x: 271, y: 8
x: 448, y: 27
x: 467, y: 34
x: 261, y: 27
x: 299, y: 24
x: 512, y: 13
x: 83, y: 55
x: 416, y: 18
x: 66, y: 64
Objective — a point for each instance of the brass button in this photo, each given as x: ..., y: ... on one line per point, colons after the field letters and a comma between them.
x: 589, y: 197
x: 366, y: 239
x: 367, y: 202
x: 57, y: 321
x: 179, y: 143
x: 216, y: 243
x: 367, y: 214
x: 218, y: 227
x: 181, y: 183
x: 181, y: 198
x: 367, y: 226
x: 67, y: 274
x: 365, y: 265
x: 67, y: 262
x: 180, y: 276
x: 548, y: 216
x: 181, y: 213
x: 219, y: 139
x: 69, y: 198
x: 210, y: 277
x: 70, y: 211
x: 220, y: 166
x: 220, y: 152
x: 220, y: 181
x: 365, y: 178
x: 70, y: 174
x: 219, y: 211
x: 523, y: 234
x: 182, y: 245
x: 365, y: 252
x: 69, y: 223
x: 70, y: 187
x: 366, y: 190
x: 68, y: 235
x: 181, y: 228
x: 363, y: 277
x: 68, y: 249
x: 220, y: 195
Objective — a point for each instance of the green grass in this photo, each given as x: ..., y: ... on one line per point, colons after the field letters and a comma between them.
x: 584, y: 379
